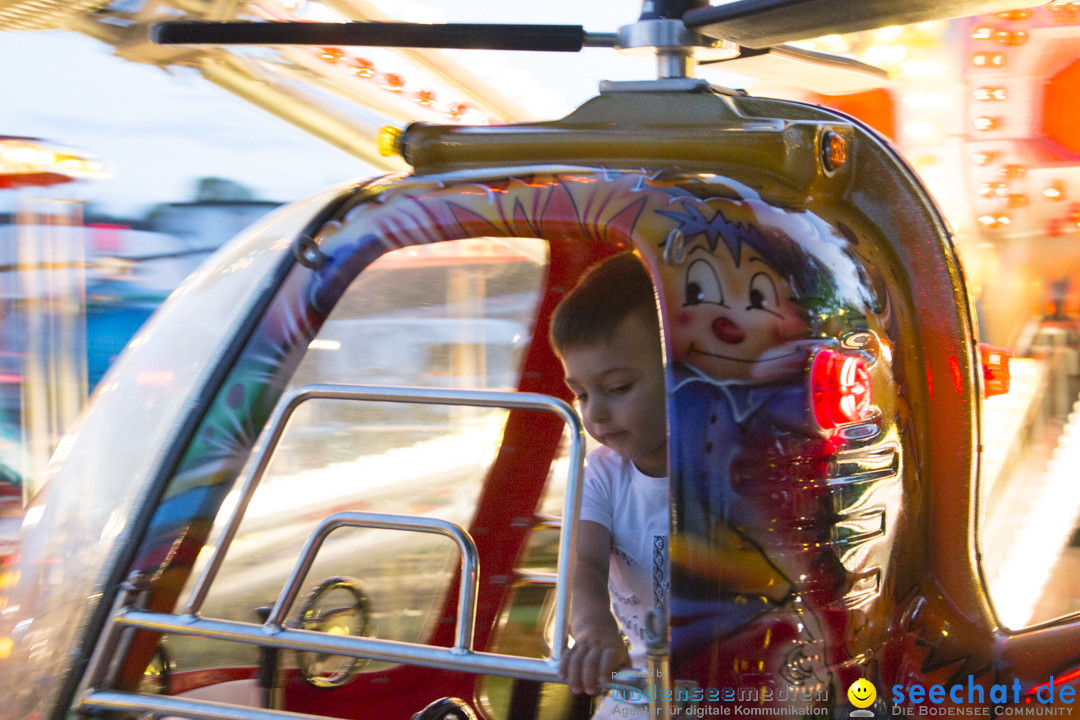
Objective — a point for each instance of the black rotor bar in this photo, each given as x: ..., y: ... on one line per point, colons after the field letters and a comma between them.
x: 465, y: 36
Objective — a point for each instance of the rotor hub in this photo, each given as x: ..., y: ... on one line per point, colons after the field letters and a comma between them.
x: 675, y: 45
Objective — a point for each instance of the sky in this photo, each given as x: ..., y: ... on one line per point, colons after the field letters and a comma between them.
x: 159, y: 131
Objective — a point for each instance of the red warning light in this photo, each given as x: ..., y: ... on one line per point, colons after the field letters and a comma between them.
x: 995, y: 369
x: 839, y: 389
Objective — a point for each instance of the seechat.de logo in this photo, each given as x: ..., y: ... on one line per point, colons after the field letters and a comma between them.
x: 862, y: 695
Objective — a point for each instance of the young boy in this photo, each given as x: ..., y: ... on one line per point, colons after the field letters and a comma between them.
x: 607, y: 335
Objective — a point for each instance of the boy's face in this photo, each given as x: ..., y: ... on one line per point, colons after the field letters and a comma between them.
x: 619, y: 386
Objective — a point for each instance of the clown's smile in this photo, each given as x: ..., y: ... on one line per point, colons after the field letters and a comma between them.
x: 695, y: 350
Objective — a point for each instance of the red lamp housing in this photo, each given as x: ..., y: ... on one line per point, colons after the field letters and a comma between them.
x: 995, y: 368
x: 839, y: 389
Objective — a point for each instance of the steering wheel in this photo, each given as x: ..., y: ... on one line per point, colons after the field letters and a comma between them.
x: 338, y: 606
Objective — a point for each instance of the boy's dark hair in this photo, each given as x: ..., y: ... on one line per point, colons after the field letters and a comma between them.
x: 605, y: 295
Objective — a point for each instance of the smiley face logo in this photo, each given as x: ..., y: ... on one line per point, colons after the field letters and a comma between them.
x: 862, y: 693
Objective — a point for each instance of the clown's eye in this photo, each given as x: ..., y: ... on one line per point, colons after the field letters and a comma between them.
x: 702, y: 285
x: 763, y: 295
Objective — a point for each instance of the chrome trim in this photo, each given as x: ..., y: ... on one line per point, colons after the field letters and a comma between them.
x: 163, y: 705
x: 547, y: 522
x: 525, y: 576
x: 273, y: 632
x: 99, y: 668
x: 674, y: 85
x: 429, y: 396
x: 667, y: 33
x: 395, y: 651
x: 470, y: 565
x: 604, y: 40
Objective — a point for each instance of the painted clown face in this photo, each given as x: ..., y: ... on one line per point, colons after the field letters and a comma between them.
x: 734, y: 318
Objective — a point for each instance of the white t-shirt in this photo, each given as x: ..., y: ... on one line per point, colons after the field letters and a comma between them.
x: 635, y: 509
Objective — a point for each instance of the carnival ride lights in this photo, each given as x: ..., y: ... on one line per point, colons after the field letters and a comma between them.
x: 994, y: 221
x: 1003, y: 65
x: 338, y: 96
x: 1011, y: 77
x: 29, y: 162
x: 397, y: 83
x: 988, y: 94
x: 50, y: 285
x: 1003, y: 420
x: 402, y: 92
x: 395, y: 72
x: 1053, y: 505
x: 1055, y: 191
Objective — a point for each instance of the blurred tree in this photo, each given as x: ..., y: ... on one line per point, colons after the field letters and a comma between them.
x: 215, y: 189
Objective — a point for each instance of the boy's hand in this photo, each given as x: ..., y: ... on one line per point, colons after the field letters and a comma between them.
x: 592, y: 660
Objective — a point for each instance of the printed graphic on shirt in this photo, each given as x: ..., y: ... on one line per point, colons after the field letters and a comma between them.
x: 659, y: 564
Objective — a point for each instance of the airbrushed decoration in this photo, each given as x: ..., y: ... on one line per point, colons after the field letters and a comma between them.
x: 757, y: 299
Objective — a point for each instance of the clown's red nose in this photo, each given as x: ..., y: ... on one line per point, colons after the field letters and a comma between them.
x: 728, y: 331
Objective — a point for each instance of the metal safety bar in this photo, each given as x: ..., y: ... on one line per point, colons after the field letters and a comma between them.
x: 395, y: 651
x: 162, y: 706
x: 470, y: 564
x: 273, y: 632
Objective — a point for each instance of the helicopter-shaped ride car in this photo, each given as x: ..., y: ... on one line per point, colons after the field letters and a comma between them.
x: 282, y: 503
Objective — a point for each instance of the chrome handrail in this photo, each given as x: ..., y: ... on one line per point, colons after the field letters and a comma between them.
x: 395, y: 651
x: 273, y: 633
x: 470, y: 564
x: 165, y: 706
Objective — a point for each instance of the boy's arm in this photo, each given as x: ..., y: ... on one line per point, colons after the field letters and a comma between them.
x: 598, y: 649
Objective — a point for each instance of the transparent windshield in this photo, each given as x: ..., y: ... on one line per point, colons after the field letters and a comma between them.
x: 73, y: 528
x: 454, y: 315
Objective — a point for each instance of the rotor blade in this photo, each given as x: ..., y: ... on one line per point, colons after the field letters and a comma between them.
x: 466, y: 36
x: 763, y: 23
x: 814, y: 71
